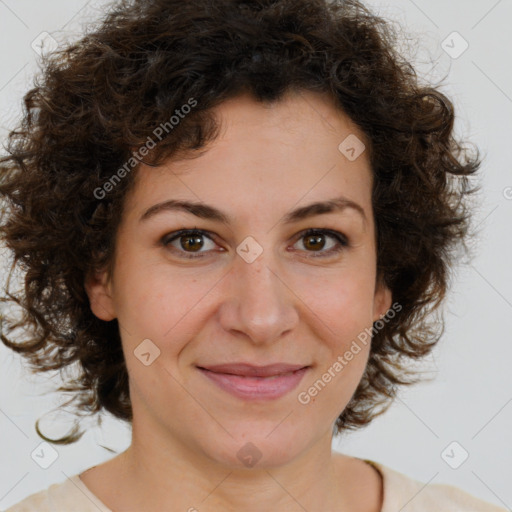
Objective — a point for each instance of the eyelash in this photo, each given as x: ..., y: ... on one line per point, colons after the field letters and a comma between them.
x: 339, y: 237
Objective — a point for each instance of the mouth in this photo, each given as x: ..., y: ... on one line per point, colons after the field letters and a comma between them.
x: 249, y: 382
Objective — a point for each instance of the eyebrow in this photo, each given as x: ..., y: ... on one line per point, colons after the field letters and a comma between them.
x: 204, y: 211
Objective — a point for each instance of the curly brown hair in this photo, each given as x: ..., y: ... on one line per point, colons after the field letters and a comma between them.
x: 99, y: 99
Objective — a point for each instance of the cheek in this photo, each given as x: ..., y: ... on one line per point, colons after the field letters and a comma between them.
x: 344, y: 312
x: 162, y: 304
x: 341, y: 307
x: 343, y: 302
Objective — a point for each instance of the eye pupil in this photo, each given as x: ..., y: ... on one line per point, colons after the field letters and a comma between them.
x: 317, y: 239
x: 190, y: 241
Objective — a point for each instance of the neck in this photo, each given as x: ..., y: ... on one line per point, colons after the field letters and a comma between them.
x: 169, y: 476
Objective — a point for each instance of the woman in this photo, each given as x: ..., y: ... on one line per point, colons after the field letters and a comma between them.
x: 235, y: 218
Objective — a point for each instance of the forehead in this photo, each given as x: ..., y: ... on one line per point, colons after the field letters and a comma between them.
x: 267, y: 157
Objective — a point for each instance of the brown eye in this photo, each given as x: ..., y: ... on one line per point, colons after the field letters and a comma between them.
x: 314, y: 241
x: 191, y: 242
x: 187, y: 242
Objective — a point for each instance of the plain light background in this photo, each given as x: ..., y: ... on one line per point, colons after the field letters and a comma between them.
x: 470, y: 400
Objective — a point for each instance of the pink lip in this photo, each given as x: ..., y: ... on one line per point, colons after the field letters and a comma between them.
x: 256, y: 382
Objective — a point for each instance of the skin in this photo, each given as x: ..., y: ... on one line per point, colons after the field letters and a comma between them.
x: 286, y: 306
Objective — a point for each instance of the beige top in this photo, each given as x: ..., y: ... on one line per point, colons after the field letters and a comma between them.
x: 399, y: 490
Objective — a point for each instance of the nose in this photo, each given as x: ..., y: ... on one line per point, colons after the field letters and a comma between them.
x: 260, y: 305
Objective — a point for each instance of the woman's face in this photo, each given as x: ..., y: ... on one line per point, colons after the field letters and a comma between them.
x: 253, y: 288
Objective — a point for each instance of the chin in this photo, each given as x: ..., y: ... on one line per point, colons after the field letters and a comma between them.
x: 254, y: 448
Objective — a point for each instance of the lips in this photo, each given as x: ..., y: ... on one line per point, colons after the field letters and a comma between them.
x: 249, y: 382
x: 248, y: 370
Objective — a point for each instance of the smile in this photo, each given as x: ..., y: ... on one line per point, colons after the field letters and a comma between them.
x: 251, y: 383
